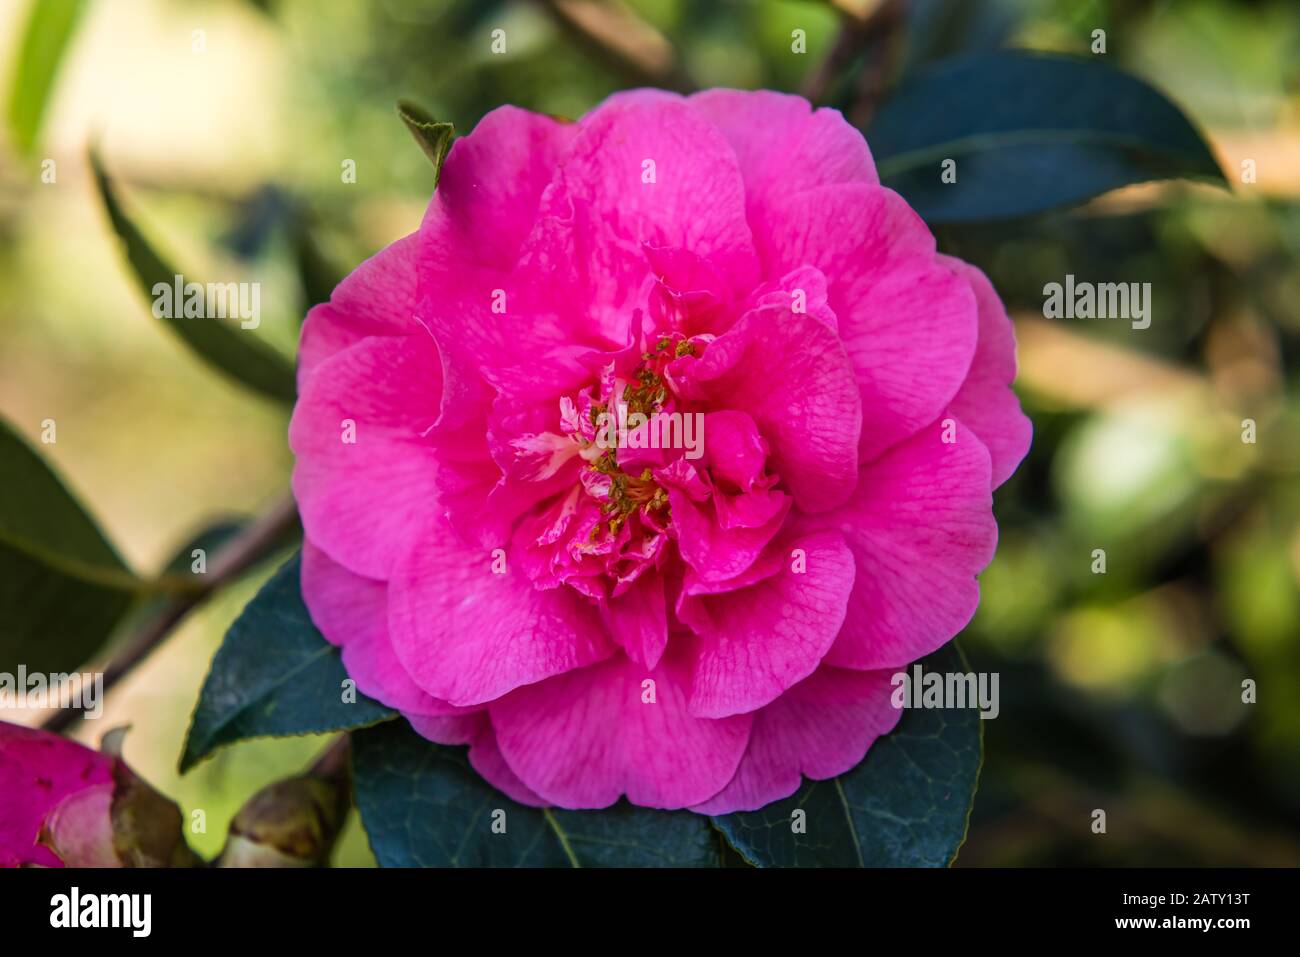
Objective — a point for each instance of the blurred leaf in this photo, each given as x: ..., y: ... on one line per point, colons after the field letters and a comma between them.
x: 239, y: 355
x: 214, y: 536
x: 1028, y: 133
x: 258, y: 217
x: 274, y: 675
x: 434, y: 137
x: 316, y: 274
x: 937, y: 29
x: 49, y: 31
x: 905, y: 805
x: 423, y: 805
x: 210, y: 539
x: 62, y: 585
x: 178, y: 574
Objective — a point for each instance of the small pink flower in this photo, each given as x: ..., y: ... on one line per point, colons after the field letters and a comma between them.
x: 63, y: 804
x: 55, y: 797
x: 686, y: 627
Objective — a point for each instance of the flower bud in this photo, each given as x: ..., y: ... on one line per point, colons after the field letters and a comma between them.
x: 63, y: 804
x: 293, y: 823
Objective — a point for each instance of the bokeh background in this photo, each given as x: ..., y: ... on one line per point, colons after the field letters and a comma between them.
x: 1119, y: 691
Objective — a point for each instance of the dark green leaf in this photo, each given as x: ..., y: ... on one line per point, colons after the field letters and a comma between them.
x: 214, y: 537
x: 1028, y: 133
x: 905, y: 805
x: 434, y: 137
x: 423, y: 805
x: 224, y: 346
x: 49, y: 31
x: 63, y: 588
x: 274, y: 675
x: 209, y: 540
x: 316, y: 274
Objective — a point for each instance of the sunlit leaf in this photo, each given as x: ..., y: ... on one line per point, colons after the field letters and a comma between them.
x: 1022, y: 133
x: 233, y: 351
x: 49, y: 31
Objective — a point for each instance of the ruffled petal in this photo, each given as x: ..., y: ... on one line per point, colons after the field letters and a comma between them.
x: 375, y: 299
x: 753, y: 643
x: 829, y: 151
x: 921, y: 528
x: 908, y: 322
x: 985, y: 401
x: 790, y: 373
x: 352, y: 612
x: 820, y: 728
x: 644, y: 170
x: 467, y: 635
x: 366, y: 468
x: 638, y: 619
x: 586, y: 738
x: 484, y: 755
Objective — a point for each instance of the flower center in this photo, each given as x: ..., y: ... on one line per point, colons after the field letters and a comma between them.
x: 626, y: 494
x: 626, y: 404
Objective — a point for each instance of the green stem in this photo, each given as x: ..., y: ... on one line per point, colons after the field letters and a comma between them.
x: 242, y: 551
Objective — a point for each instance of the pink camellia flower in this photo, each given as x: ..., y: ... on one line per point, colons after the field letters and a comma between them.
x: 55, y: 798
x: 711, y: 605
x: 64, y: 804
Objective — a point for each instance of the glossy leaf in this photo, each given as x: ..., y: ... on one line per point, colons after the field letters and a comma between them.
x: 274, y: 675
x: 236, y: 352
x: 63, y: 587
x: 423, y: 805
x: 1027, y: 133
x: 905, y: 805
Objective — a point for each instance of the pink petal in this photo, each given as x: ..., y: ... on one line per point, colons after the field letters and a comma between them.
x: 735, y: 452
x: 376, y: 299
x: 766, y: 130
x: 484, y: 754
x: 985, y: 401
x: 821, y: 728
x: 907, y: 320
x: 921, y: 528
x: 790, y: 372
x: 585, y: 738
x: 37, y: 771
x: 714, y: 552
x: 690, y: 296
x: 638, y: 619
x: 352, y: 612
x: 80, y: 828
x: 753, y: 643
x: 494, y: 175
x: 786, y: 293
x: 358, y: 500
x: 599, y: 214
x: 467, y: 635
